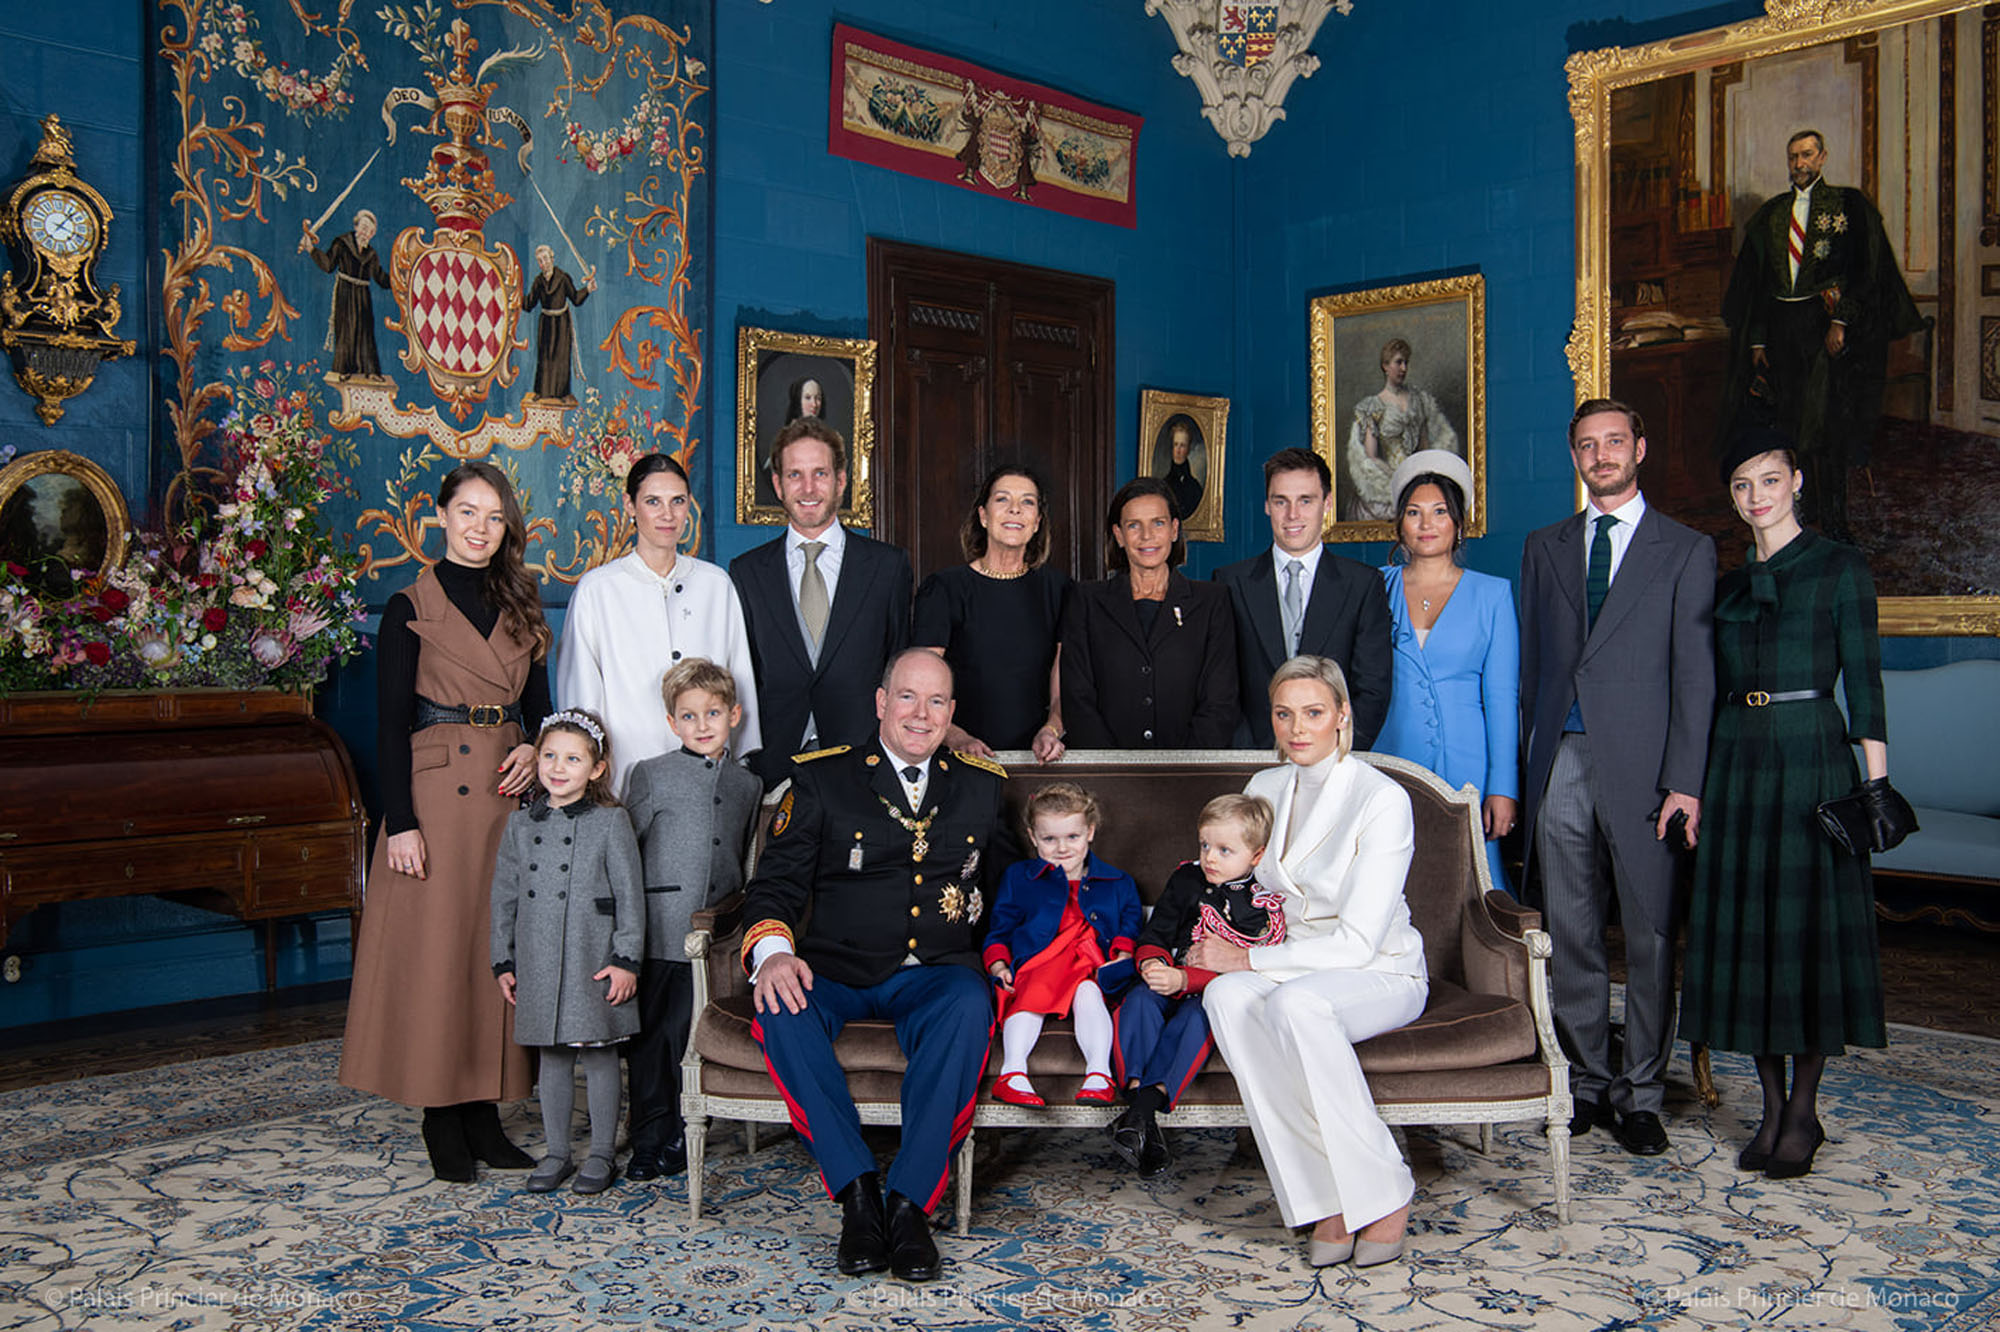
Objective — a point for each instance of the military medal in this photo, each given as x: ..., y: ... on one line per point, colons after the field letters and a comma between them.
x: 854, y: 859
x: 921, y: 827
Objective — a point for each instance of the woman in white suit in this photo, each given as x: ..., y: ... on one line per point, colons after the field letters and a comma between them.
x: 1287, y: 1017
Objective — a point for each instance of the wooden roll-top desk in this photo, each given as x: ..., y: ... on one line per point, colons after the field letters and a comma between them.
x: 238, y: 802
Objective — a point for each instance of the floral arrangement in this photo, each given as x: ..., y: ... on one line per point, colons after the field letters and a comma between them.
x: 229, y: 35
x: 648, y: 131
x: 906, y: 109
x: 1083, y: 161
x: 252, y: 591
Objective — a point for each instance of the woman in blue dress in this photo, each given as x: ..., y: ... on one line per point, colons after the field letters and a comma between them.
x: 1454, y: 705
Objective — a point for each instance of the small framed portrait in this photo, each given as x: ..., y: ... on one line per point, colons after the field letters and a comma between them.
x: 60, y: 513
x: 1181, y: 441
x: 781, y: 377
x: 1395, y: 370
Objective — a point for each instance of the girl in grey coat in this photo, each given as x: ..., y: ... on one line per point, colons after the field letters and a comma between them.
x: 569, y: 931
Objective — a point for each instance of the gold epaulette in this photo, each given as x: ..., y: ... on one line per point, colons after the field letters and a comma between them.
x: 980, y: 761
x: 764, y: 929
x: 820, y: 753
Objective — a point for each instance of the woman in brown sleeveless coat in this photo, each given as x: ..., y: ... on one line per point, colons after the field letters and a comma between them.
x: 461, y: 677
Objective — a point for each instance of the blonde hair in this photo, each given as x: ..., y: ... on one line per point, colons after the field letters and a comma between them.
x: 1327, y: 671
x: 1251, y: 813
x: 697, y: 673
x: 1059, y: 798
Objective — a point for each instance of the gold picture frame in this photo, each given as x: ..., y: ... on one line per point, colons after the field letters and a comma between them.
x: 772, y: 369
x: 1443, y: 323
x: 1164, y: 420
x: 1893, y: 64
x: 59, y: 508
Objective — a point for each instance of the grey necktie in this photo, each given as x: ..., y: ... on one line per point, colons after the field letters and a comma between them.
x: 812, y: 592
x: 1294, y: 605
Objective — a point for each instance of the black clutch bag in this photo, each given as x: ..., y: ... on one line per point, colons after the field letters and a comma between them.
x: 1873, y: 818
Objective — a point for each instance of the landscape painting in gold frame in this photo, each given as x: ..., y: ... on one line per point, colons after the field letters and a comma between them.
x: 1680, y: 142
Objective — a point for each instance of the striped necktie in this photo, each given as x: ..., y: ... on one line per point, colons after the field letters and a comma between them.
x: 1598, y: 584
x: 1795, y: 245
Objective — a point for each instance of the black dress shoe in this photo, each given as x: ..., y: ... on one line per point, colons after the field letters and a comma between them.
x: 661, y: 1164
x: 444, y: 1139
x: 912, y: 1255
x: 1128, y: 1136
x: 484, y: 1137
x: 1154, y: 1158
x: 1781, y: 1167
x: 1588, y: 1115
x: 864, y: 1232
x: 1642, y: 1134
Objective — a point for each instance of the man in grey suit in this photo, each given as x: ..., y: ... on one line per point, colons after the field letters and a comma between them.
x: 1325, y: 605
x: 1617, y: 691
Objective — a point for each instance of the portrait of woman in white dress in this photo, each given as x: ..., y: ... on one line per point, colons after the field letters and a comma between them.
x: 1389, y: 425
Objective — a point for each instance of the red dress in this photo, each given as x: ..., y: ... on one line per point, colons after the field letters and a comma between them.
x: 1046, y: 983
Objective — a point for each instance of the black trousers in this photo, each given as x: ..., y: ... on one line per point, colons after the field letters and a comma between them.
x: 666, y: 1012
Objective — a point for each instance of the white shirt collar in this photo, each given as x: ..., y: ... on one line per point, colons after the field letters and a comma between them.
x: 1628, y: 514
x: 914, y: 790
x: 835, y: 538
x: 1280, y: 557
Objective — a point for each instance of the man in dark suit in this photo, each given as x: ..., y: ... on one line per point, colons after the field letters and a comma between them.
x: 867, y: 905
x: 1617, y: 691
x: 1339, y: 608
x: 825, y: 607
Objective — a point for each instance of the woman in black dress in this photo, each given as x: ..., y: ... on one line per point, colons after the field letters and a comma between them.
x: 1148, y: 658
x: 994, y: 619
x: 1781, y: 952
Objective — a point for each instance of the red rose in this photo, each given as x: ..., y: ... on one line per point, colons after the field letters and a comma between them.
x: 97, y: 654
x: 257, y: 549
x: 214, y: 618
x: 115, y: 599
x: 102, y: 613
x: 16, y: 570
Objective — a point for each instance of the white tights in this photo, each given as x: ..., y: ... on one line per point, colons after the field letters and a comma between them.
x: 1092, y: 1019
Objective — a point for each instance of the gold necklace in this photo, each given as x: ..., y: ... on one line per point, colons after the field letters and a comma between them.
x: 980, y: 567
x: 921, y: 827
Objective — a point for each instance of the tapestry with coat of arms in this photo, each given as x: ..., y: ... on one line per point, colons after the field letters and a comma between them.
x: 453, y: 229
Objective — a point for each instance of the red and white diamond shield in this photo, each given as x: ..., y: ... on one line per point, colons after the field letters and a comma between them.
x: 459, y: 311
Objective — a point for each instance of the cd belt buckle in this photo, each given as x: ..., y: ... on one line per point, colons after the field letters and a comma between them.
x: 486, y: 715
x: 1758, y: 698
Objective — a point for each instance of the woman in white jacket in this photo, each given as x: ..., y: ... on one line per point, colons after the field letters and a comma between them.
x: 1287, y: 1017
x: 636, y: 618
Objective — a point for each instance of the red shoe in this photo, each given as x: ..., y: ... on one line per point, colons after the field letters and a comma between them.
x: 1005, y: 1088
x: 1104, y: 1094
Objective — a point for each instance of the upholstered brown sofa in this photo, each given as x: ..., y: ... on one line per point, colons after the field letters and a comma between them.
x: 1484, y: 1051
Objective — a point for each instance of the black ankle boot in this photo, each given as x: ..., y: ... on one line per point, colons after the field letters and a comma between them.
x: 444, y: 1139
x: 485, y: 1140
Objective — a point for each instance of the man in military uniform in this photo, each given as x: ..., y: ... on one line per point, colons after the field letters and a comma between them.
x: 1813, y: 304
x: 867, y: 904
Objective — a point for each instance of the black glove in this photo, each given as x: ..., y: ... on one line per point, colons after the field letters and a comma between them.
x: 1890, y: 818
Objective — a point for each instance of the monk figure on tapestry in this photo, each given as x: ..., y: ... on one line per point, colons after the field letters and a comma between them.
x: 350, y: 326
x: 556, y: 295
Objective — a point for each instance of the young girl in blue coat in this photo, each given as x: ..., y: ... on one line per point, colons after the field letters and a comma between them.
x: 1066, y: 913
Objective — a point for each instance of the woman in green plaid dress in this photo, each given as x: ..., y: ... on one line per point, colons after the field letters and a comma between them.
x: 1781, y: 951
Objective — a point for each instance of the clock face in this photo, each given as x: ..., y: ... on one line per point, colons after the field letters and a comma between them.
x: 57, y: 221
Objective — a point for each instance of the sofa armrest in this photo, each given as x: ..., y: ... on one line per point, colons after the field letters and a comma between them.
x: 1492, y: 935
x: 712, y: 945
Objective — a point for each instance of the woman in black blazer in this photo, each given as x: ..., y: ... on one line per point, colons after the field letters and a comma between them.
x: 1148, y: 658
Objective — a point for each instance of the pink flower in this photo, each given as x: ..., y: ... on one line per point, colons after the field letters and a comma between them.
x: 265, y: 388
x: 269, y: 649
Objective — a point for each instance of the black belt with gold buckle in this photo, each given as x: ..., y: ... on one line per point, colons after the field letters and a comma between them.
x: 483, y: 715
x: 1764, y: 698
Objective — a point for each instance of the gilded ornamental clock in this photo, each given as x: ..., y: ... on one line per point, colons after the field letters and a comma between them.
x: 54, y: 321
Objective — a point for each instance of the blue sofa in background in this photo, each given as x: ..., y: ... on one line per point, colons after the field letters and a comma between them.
x: 1944, y: 756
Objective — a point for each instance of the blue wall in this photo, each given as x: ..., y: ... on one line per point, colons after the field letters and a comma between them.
x: 1435, y: 137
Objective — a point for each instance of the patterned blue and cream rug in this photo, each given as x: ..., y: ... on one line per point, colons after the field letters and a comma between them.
x: 251, y: 1192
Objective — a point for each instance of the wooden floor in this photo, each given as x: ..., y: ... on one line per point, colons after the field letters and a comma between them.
x: 1933, y: 976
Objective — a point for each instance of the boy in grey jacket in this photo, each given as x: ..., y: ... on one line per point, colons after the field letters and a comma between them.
x: 693, y: 810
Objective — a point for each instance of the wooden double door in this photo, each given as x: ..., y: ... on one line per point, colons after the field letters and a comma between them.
x: 981, y: 363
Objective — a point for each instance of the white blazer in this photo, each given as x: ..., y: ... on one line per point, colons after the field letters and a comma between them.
x: 621, y: 636
x: 1342, y: 877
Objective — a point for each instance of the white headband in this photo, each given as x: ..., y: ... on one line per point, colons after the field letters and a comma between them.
x: 580, y: 720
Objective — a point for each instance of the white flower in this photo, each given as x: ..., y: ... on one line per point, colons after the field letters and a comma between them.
x: 207, y: 641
